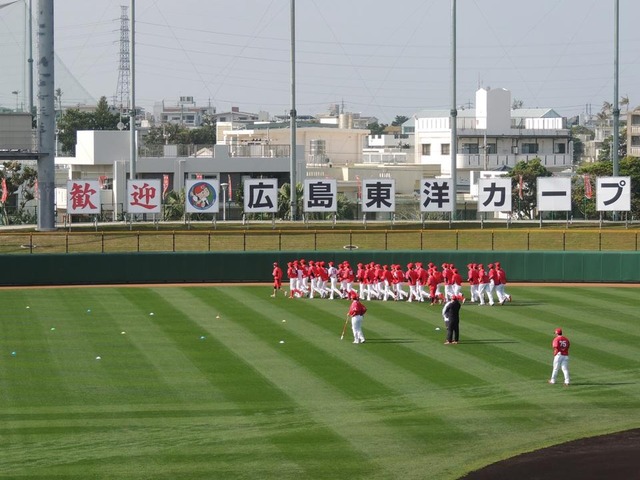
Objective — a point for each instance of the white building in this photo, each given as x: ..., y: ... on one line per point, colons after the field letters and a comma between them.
x: 185, y: 112
x: 492, y: 136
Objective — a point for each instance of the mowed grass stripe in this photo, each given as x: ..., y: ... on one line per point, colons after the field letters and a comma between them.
x: 495, y: 410
x: 271, y: 450
x: 425, y: 366
x: 288, y: 368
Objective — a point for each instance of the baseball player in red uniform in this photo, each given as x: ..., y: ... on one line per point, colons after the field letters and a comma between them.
x: 560, y: 346
x: 277, y: 278
x: 412, y: 279
x: 503, y: 296
x: 472, y: 278
x: 356, y: 312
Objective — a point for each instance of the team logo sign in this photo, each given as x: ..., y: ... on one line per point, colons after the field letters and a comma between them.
x: 202, y: 196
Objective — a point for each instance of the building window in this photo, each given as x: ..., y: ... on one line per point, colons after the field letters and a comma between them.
x: 426, y: 149
x: 492, y: 148
x: 445, y: 149
x: 529, y: 148
x: 470, y: 148
x: 560, y: 148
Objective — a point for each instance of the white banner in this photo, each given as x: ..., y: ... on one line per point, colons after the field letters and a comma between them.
x: 554, y: 194
x: 261, y: 195
x: 202, y: 196
x: 613, y: 194
x: 320, y: 195
x: 379, y: 195
x: 144, y: 196
x: 83, y: 197
x: 435, y: 195
x: 494, y: 194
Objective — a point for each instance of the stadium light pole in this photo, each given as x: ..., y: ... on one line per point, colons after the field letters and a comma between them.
x: 616, y: 107
x: 293, y: 114
x: 453, y: 116
x: 46, y: 117
x: 132, y: 79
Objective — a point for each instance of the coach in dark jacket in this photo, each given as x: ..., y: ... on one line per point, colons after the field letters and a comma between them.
x: 451, y: 314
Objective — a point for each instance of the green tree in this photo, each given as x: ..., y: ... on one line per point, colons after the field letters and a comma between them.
x: 103, y: 118
x: 205, y: 135
x: 284, y: 201
x: 604, y: 153
x: 376, y: 128
x: 174, y: 205
x: 73, y: 120
x: 628, y: 166
x: 530, y: 171
x: 399, y: 120
x: 18, y: 179
x: 69, y: 123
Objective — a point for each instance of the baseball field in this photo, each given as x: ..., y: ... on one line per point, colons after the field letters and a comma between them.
x: 213, y: 381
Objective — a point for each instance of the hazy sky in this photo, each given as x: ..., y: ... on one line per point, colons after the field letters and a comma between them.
x: 380, y: 58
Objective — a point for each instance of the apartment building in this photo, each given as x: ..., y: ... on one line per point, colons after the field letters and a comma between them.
x: 492, y: 136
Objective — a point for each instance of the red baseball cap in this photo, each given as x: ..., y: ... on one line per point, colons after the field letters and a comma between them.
x: 558, y: 331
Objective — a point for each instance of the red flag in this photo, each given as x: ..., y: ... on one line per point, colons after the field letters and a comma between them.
x: 230, y: 189
x: 587, y: 187
x: 36, y: 192
x: 198, y: 176
x: 521, y: 188
x: 165, y: 185
x: 5, y: 191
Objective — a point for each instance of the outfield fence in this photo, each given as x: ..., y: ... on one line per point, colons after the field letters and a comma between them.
x: 316, y: 240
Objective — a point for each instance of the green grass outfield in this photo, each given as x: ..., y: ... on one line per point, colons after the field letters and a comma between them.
x: 204, y: 388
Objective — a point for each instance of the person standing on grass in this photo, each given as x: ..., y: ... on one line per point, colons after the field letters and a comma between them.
x: 560, y: 346
x: 502, y: 277
x: 277, y: 278
x: 451, y: 315
x: 356, y: 312
x: 472, y: 278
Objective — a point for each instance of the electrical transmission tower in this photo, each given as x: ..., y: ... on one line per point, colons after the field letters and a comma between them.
x: 122, y: 99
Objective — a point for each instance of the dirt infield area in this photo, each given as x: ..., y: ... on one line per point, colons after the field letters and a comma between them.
x: 596, y: 458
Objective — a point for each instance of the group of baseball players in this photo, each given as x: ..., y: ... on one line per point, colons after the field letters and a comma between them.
x: 373, y: 281
x: 383, y: 282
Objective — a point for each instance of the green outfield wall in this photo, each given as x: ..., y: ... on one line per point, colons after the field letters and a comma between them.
x: 122, y: 268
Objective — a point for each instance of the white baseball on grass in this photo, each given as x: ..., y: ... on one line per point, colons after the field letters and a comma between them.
x: 281, y: 341
x: 437, y: 328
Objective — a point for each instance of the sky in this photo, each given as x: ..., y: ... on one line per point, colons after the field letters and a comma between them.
x: 376, y: 58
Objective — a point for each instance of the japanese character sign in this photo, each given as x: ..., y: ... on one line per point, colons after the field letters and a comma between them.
x: 320, y: 195
x: 613, y: 194
x: 83, y: 197
x: 261, y: 195
x: 554, y: 194
x: 144, y: 196
x: 494, y: 194
x: 379, y: 195
x: 435, y: 195
x: 202, y: 196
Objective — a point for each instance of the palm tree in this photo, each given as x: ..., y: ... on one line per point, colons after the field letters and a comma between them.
x: 624, y: 102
